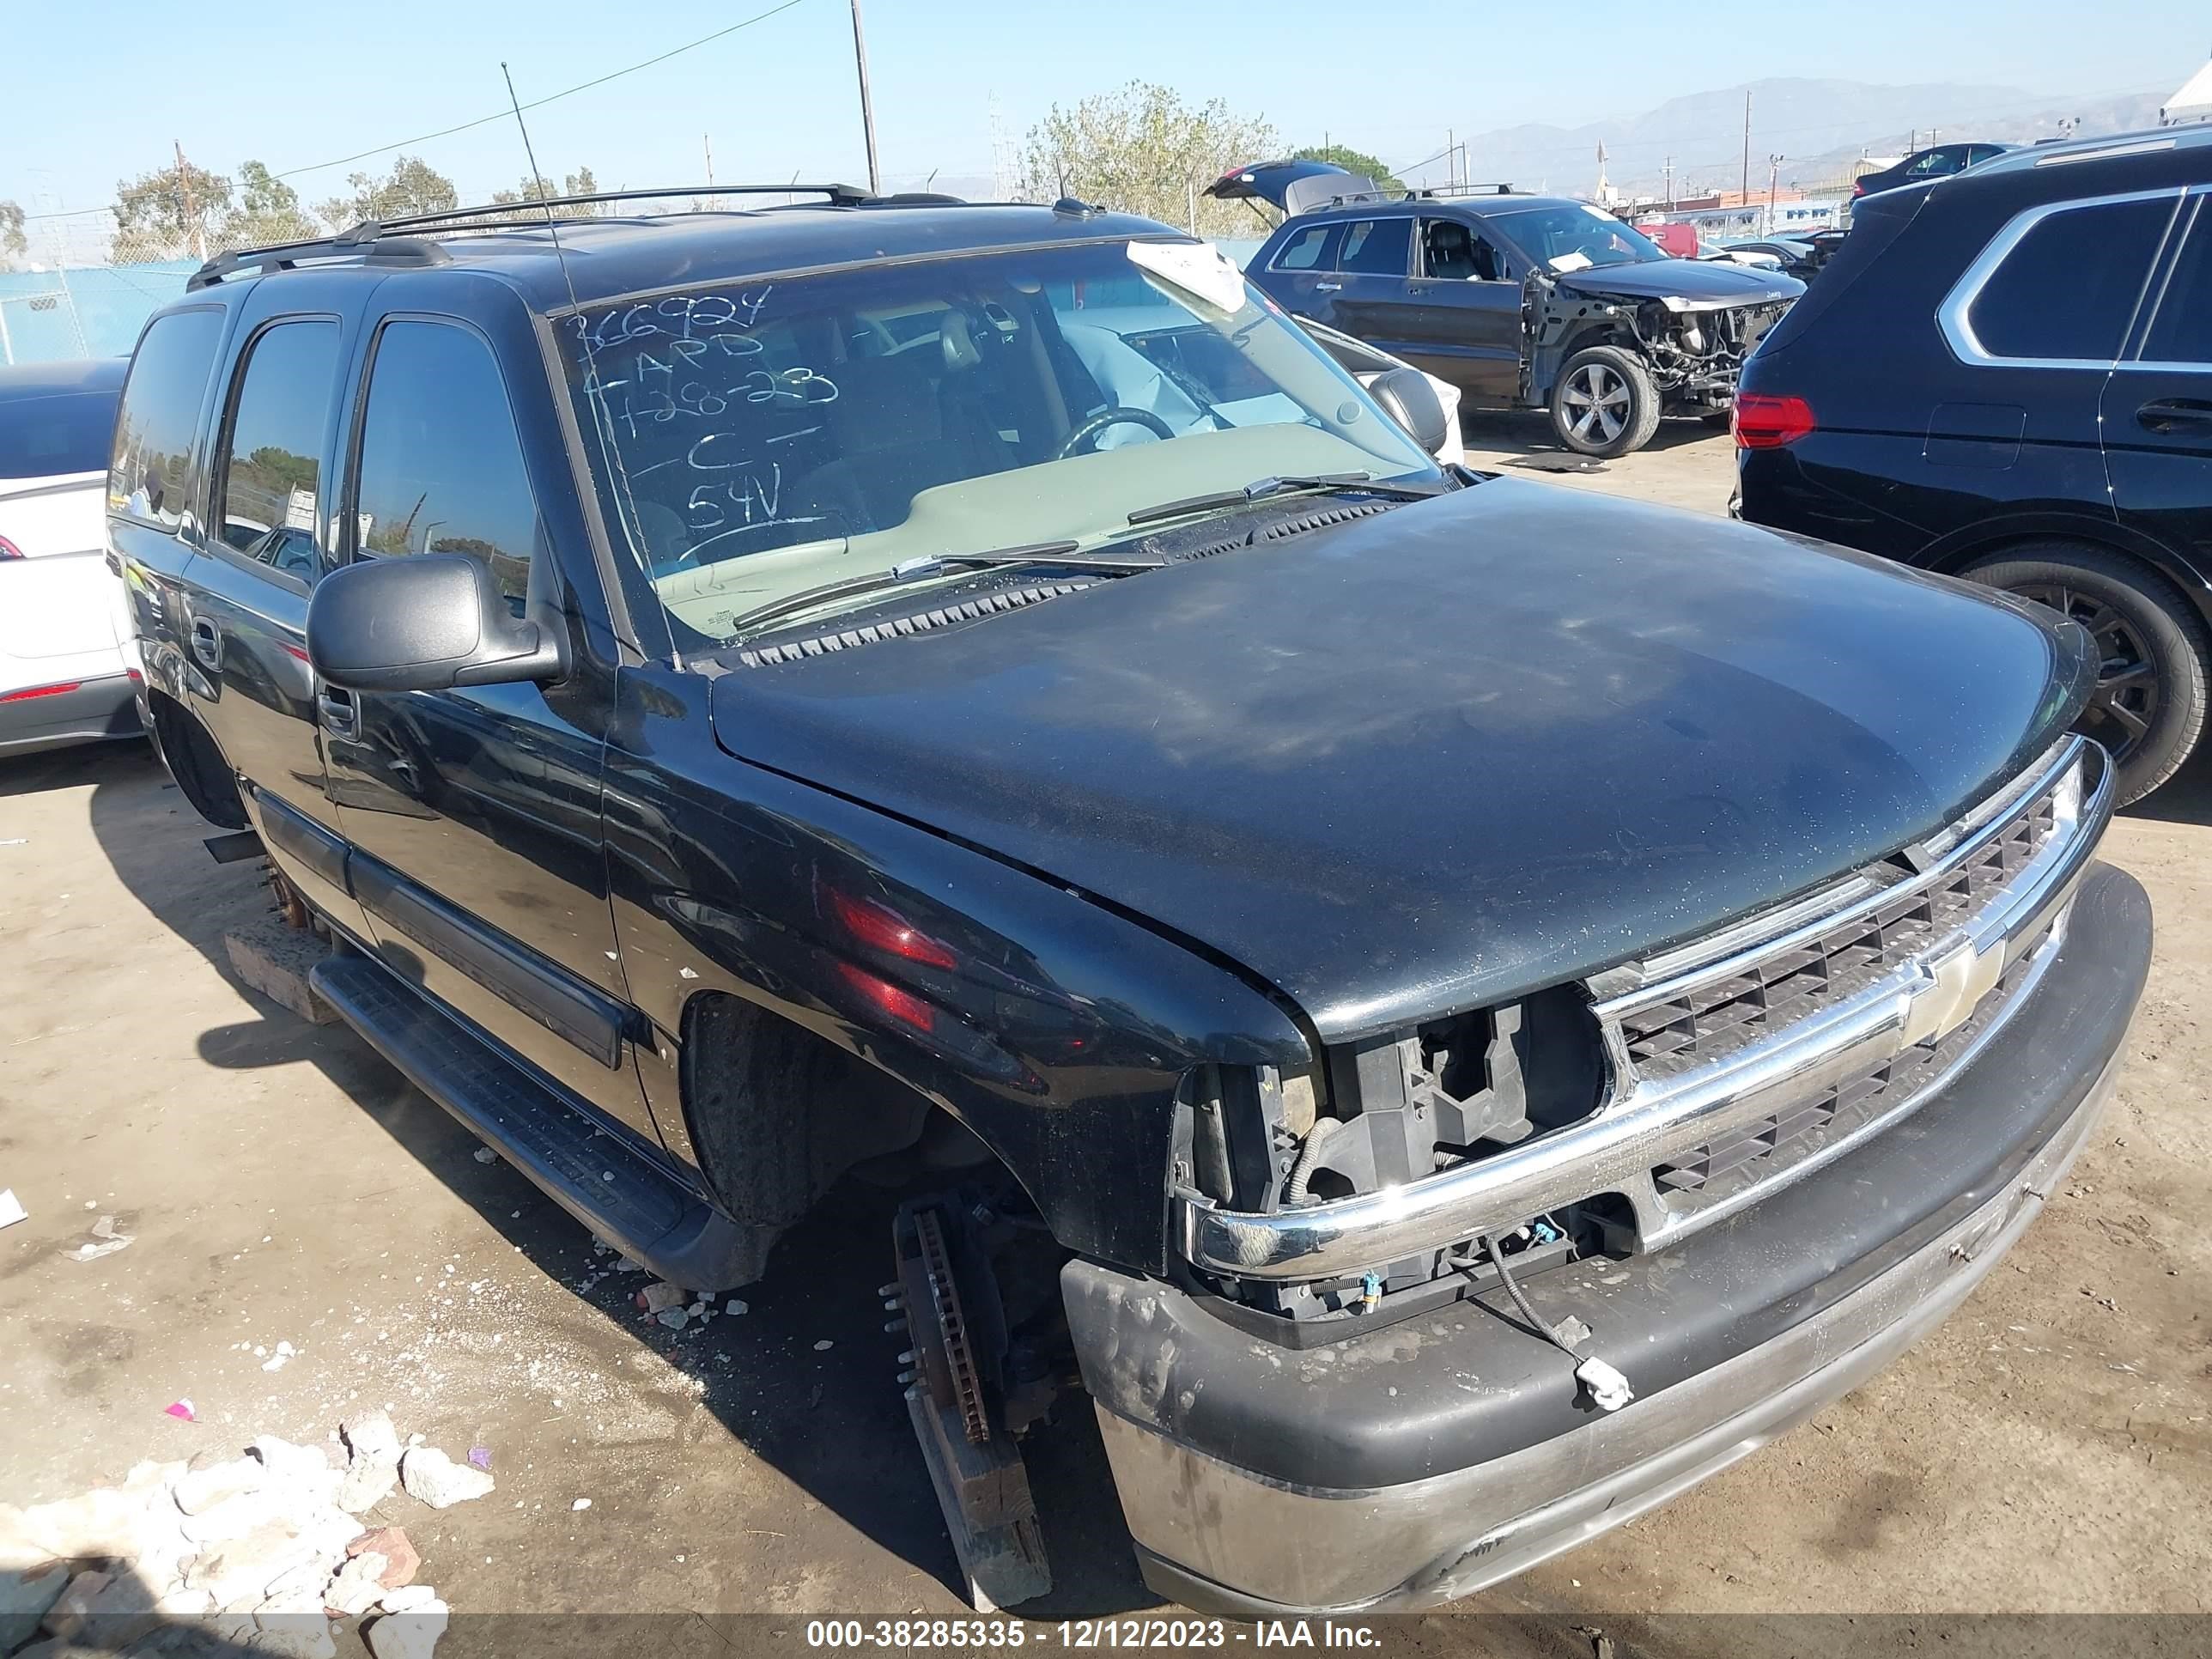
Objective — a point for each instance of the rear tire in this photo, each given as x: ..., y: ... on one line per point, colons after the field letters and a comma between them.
x: 1604, y: 404
x: 2149, y: 705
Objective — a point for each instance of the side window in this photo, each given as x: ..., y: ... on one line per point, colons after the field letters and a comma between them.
x: 273, y: 444
x: 2053, y: 298
x: 1451, y: 253
x: 149, y: 475
x: 1927, y: 164
x: 1311, y: 249
x: 2182, y: 331
x: 441, y: 466
x: 1376, y: 247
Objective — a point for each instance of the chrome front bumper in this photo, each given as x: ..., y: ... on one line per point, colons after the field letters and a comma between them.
x: 1257, y: 1479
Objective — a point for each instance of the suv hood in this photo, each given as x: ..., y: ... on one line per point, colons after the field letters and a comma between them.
x: 1446, y: 754
x: 1703, y: 283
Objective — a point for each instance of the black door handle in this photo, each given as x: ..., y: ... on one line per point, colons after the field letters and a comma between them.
x: 207, y: 645
x: 341, y: 715
x: 2165, y: 414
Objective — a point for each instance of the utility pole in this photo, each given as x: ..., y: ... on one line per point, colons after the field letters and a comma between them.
x: 1745, y: 194
x: 868, y: 107
x: 1670, y: 183
x: 707, y: 141
x: 1773, y: 171
x: 191, y: 211
x: 1451, y: 159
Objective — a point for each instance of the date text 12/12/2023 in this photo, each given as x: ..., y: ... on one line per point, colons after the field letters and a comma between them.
x: 1087, y: 1633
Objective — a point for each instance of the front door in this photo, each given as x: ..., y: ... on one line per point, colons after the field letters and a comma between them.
x: 1465, y: 301
x: 474, y: 814
x: 258, y: 560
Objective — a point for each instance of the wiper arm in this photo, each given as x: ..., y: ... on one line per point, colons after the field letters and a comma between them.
x: 1060, y: 553
x: 1260, y: 488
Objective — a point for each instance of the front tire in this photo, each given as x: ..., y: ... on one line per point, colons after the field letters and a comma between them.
x: 2155, y: 656
x: 1604, y: 404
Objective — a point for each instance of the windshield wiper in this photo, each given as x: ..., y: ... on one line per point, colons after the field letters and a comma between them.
x: 1060, y: 553
x: 1260, y: 488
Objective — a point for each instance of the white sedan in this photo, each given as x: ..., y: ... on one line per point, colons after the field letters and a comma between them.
x: 67, y: 656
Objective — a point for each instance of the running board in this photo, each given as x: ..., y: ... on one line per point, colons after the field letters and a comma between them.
x: 621, y: 1194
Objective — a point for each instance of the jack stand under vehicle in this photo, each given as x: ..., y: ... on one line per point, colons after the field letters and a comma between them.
x: 972, y: 1386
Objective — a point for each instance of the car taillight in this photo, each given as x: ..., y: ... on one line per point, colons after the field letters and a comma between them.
x: 1763, y: 421
x: 8, y: 550
x: 1858, y: 187
x: 30, y: 691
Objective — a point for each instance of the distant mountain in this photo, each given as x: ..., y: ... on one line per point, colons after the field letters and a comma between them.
x: 1818, y: 126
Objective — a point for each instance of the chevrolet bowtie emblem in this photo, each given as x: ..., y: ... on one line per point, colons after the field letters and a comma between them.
x: 1958, y: 980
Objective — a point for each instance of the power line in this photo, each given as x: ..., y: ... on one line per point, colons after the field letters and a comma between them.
x: 496, y: 115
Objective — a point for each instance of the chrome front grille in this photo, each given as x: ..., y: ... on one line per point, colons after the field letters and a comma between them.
x: 1751, y: 1057
x: 1719, y: 1168
x: 1714, y: 1017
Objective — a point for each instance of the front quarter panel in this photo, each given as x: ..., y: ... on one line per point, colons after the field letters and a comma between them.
x: 1059, y: 1031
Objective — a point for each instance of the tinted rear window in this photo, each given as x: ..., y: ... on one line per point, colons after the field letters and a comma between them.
x: 56, y: 432
x: 2068, y: 288
x: 2182, y: 330
x: 150, y: 477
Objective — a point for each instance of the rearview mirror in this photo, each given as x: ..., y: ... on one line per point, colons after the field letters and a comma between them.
x: 424, y: 623
x: 1407, y: 397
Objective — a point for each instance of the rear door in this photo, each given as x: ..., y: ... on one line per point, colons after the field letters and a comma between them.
x: 245, y: 621
x: 1370, y: 282
x: 2157, y: 404
x: 1466, y: 299
x: 57, y: 610
x: 1301, y: 278
x: 474, y: 814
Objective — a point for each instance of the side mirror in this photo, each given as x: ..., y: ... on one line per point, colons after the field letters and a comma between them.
x: 423, y: 623
x: 1407, y: 397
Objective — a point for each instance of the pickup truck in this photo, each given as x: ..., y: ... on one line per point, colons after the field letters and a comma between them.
x: 1451, y: 1008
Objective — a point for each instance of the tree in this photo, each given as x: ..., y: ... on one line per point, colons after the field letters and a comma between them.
x: 579, y: 183
x: 415, y: 186
x: 1139, y: 149
x: 13, y: 243
x: 1352, y: 160
x: 169, y: 214
x: 268, y: 212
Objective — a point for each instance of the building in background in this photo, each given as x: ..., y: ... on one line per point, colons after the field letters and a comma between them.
x: 2191, y: 101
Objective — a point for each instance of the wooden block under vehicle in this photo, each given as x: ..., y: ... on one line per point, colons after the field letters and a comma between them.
x: 275, y: 960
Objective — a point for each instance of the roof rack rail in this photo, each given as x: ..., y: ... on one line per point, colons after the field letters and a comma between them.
x: 365, y: 240
x: 838, y: 195
x: 1462, y: 190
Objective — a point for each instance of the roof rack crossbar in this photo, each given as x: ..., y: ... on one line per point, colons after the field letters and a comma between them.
x: 1464, y: 190
x: 838, y: 195
x: 364, y: 240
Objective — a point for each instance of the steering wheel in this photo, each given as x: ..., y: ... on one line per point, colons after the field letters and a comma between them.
x: 1086, y: 436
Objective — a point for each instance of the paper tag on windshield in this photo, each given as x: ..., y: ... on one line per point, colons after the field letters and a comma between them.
x: 1576, y: 260
x: 1196, y: 268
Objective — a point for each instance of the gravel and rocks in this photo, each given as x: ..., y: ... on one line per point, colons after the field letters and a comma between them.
x: 265, y: 1548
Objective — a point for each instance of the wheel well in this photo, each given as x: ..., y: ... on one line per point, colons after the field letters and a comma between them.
x: 778, y: 1113
x: 196, y: 762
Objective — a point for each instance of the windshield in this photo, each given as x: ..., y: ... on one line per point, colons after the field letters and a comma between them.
x: 1575, y: 237
x: 753, y: 440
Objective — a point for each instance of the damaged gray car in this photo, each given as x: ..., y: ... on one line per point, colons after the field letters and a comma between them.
x: 1522, y: 302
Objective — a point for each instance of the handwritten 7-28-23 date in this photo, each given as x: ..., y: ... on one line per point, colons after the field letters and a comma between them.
x: 1085, y: 1633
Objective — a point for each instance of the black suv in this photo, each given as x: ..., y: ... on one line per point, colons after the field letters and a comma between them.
x: 2007, y: 376
x: 1524, y: 301
x: 1924, y: 166
x: 975, y: 689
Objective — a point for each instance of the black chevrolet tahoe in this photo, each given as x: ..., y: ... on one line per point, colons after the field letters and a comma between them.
x: 1455, y: 1008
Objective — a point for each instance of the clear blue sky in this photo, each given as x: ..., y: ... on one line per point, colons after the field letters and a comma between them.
x: 98, y: 92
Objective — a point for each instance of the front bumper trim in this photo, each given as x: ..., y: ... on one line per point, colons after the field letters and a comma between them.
x: 1291, y: 1549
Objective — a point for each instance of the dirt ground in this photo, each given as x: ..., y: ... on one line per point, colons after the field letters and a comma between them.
x: 2049, y: 1450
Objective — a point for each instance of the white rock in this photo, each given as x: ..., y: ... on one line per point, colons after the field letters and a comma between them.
x: 235, y: 1516
x: 200, y: 1489
x: 661, y: 1295
x: 296, y: 1636
x: 66, y: 1617
x: 102, y: 1522
x: 355, y: 1589
x: 675, y: 1318
x: 368, y: 1481
x: 242, y: 1569
x: 371, y: 1434
x: 286, y: 1461
x: 430, y: 1475
x: 186, y: 1604
x: 407, y: 1597
x: 582, y: 1504
x: 410, y: 1635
